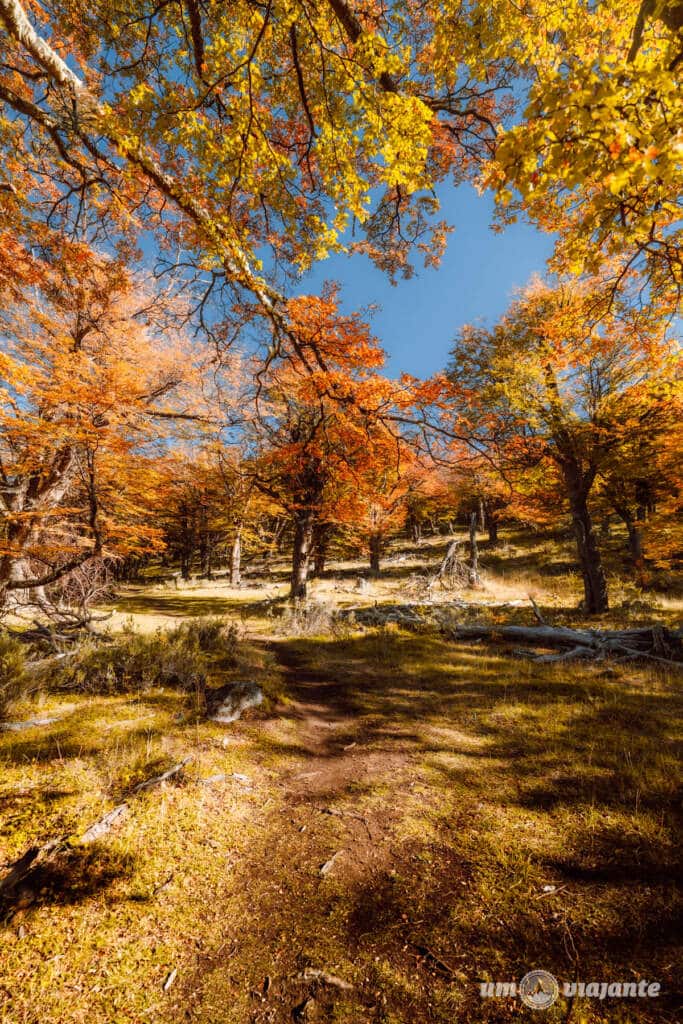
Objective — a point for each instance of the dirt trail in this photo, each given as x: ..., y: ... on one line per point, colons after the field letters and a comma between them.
x: 325, y: 860
x: 338, y: 739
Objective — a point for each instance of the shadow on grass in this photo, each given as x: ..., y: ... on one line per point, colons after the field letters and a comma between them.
x: 68, y: 877
x: 500, y: 740
x: 79, y: 734
x: 177, y: 605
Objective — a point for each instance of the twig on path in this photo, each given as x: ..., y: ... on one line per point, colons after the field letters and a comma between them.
x: 163, y: 885
x: 346, y: 814
x: 329, y: 864
x: 550, y: 892
x: 434, y: 959
x: 170, y: 978
x: 537, y: 612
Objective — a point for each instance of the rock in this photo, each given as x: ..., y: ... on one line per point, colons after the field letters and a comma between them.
x: 235, y: 699
x: 362, y: 585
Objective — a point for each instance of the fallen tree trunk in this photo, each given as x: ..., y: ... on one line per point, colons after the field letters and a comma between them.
x: 27, y: 862
x: 654, y: 642
x: 19, y: 869
x: 105, y: 824
x: 158, y: 779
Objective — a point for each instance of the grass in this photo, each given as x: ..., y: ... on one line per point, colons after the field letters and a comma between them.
x: 491, y: 815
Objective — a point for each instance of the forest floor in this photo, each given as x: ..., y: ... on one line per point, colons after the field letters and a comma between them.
x: 409, y: 816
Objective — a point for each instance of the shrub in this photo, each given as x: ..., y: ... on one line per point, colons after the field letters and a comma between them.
x: 14, y: 681
x: 210, y: 635
x: 178, y: 657
x: 310, y: 618
x: 133, y: 662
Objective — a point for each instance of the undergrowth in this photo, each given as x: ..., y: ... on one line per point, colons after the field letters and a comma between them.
x: 181, y: 657
x: 14, y: 683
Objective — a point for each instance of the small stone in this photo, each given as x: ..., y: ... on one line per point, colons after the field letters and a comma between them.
x: 241, y: 695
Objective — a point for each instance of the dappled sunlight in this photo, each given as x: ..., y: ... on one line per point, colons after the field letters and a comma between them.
x: 410, y: 814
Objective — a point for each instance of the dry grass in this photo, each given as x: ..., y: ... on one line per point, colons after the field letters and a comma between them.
x: 521, y: 564
x: 459, y: 784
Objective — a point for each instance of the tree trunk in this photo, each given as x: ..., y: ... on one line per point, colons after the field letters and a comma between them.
x: 635, y: 544
x: 17, y: 571
x: 187, y: 545
x: 319, y: 557
x: 303, y: 537
x: 474, y: 551
x: 279, y: 534
x: 321, y: 542
x: 236, y: 560
x: 635, y: 540
x: 492, y: 523
x: 646, y: 505
x: 415, y: 528
x: 375, y: 553
x: 205, y: 555
x: 482, y: 515
x: 594, y: 583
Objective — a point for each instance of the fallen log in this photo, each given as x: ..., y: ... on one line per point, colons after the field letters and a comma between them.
x: 29, y: 723
x: 26, y: 863
x: 104, y: 825
x: 19, y: 869
x: 158, y: 779
x: 653, y: 642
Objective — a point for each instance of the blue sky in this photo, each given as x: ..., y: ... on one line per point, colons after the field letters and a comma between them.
x: 474, y: 283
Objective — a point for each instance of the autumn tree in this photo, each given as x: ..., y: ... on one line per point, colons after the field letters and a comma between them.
x: 324, y: 424
x: 596, y: 154
x: 474, y: 487
x: 234, y: 131
x: 639, y: 480
x: 374, y: 505
x: 88, y: 389
x: 556, y: 397
x: 231, y: 131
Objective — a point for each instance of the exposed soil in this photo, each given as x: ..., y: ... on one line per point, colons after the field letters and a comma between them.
x: 321, y: 842
x: 402, y: 913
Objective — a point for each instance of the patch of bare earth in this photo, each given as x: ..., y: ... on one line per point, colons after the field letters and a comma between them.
x: 312, y: 929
